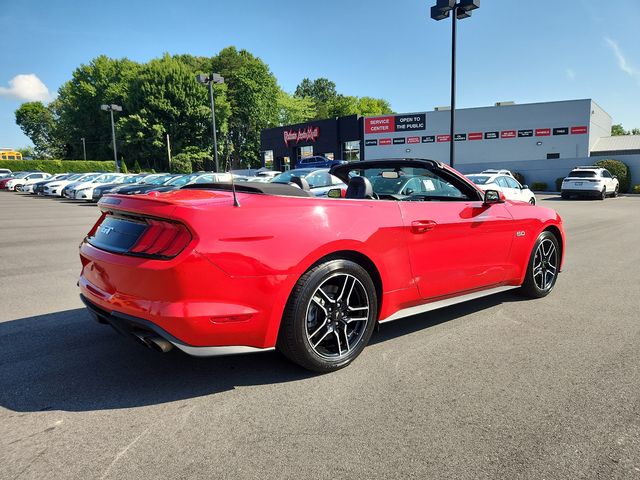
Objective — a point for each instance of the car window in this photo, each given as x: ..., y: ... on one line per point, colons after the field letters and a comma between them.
x: 318, y: 179
x: 582, y: 174
x: 512, y: 182
x: 431, y: 185
x: 502, y: 182
x: 606, y: 174
x: 479, y: 179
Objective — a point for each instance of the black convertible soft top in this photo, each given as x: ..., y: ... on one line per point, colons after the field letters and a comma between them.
x: 254, y: 187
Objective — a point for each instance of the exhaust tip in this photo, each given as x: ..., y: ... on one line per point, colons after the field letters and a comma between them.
x: 158, y: 344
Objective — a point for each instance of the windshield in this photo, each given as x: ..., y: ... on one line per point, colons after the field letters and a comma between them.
x: 106, y: 178
x: 415, y: 184
x: 131, y: 180
x: 479, y: 179
x: 285, y: 177
x: 180, y: 181
x: 88, y: 178
x: 582, y: 174
x: 22, y: 174
x: 383, y: 185
x: 159, y: 180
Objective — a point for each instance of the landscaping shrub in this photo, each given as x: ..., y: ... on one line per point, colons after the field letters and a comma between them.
x: 619, y: 169
x: 539, y: 186
x: 519, y: 177
x: 59, y: 166
x: 181, y: 163
x: 559, y: 183
x: 636, y: 189
x: 123, y: 167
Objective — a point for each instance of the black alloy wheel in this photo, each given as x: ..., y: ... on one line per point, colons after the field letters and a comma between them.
x: 330, y: 316
x: 543, y: 266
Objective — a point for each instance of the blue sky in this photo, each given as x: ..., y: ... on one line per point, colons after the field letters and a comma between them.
x: 508, y: 50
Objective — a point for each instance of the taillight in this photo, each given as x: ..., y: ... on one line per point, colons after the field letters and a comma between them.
x: 164, y: 239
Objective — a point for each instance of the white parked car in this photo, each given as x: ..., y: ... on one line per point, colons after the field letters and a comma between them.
x: 84, y: 191
x: 503, y: 181
x: 28, y: 186
x: 66, y: 191
x: 55, y: 188
x: 16, y: 183
x: 594, y: 182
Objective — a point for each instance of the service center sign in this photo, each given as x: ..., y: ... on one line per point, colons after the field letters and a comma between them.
x: 395, y: 123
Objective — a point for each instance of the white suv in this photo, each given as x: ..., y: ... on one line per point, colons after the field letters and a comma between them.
x: 503, y: 181
x: 595, y: 182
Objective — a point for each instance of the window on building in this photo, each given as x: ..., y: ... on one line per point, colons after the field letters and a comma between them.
x: 351, y: 150
x: 286, y: 163
x: 304, y: 152
x: 268, y: 159
x: 553, y: 155
x: 328, y: 156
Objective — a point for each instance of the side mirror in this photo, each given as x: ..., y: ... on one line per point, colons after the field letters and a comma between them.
x: 493, y: 196
x: 408, y: 191
x: 335, y: 193
x: 525, y: 187
x: 615, y: 176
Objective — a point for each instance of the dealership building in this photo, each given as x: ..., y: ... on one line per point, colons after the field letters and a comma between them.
x: 542, y: 141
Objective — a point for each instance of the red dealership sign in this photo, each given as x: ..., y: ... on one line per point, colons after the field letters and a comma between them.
x: 508, y: 134
x: 413, y: 139
x: 308, y: 134
x: 443, y: 138
x: 384, y: 141
x: 578, y: 130
x: 543, y: 132
x: 475, y: 136
x: 379, y: 124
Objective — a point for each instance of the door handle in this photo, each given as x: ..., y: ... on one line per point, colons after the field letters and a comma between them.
x: 422, y: 226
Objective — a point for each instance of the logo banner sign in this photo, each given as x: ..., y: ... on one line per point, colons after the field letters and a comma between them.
x: 308, y: 134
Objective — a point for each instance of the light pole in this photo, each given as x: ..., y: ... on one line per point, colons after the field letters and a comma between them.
x: 113, y: 108
x: 441, y: 10
x: 84, y: 149
x: 210, y: 80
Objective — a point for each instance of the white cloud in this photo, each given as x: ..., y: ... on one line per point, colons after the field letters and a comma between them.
x: 26, y: 87
x: 571, y: 74
x: 623, y: 63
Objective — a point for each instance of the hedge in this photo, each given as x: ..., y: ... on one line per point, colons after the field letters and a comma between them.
x: 619, y: 169
x: 636, y: 189
x: 59, y: 166
x: 539, y: 186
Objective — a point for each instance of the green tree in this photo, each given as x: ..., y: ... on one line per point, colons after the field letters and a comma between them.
x: 322, y: 92
x: 253, y: 98
x: 617, y: 130
x: 292, y: 109
x: 165, y: 98
x: 101, y: 81
x: 39, y: 124
x: 369, y: 106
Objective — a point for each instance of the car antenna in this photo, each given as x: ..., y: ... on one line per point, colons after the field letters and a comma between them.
x: 236, y: 203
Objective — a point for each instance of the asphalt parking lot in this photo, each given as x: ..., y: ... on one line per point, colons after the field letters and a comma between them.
x: 497, y: 388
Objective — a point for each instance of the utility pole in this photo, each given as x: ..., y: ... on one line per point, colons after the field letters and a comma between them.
x: 210, y: 80
x: 84, y: 149
x: 169, y: 151
x: 111, y: 108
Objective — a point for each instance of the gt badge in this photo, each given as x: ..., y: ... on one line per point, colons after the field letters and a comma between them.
x: 106, y: 230
x: 520, y: 233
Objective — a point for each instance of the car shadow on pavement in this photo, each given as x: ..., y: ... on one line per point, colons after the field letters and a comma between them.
x: 67, y: 361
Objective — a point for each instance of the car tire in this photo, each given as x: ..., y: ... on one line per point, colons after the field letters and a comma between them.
x: 532, y: 201
x: 565, y: 196
x: 616, y: 191
x: 543, y: 267
x: 603, y: 194
x: 330, y: 316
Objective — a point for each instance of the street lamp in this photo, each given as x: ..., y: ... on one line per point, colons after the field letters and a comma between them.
x: 113, y: 108
x: 441, y: 10
x: 210, y: 80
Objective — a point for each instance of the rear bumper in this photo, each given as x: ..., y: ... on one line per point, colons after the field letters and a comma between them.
x: 195, y: 303
x: 581, y: 193
x: 128, y: 325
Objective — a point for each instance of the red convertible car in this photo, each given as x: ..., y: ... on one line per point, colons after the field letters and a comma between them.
x: 215, y: 269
